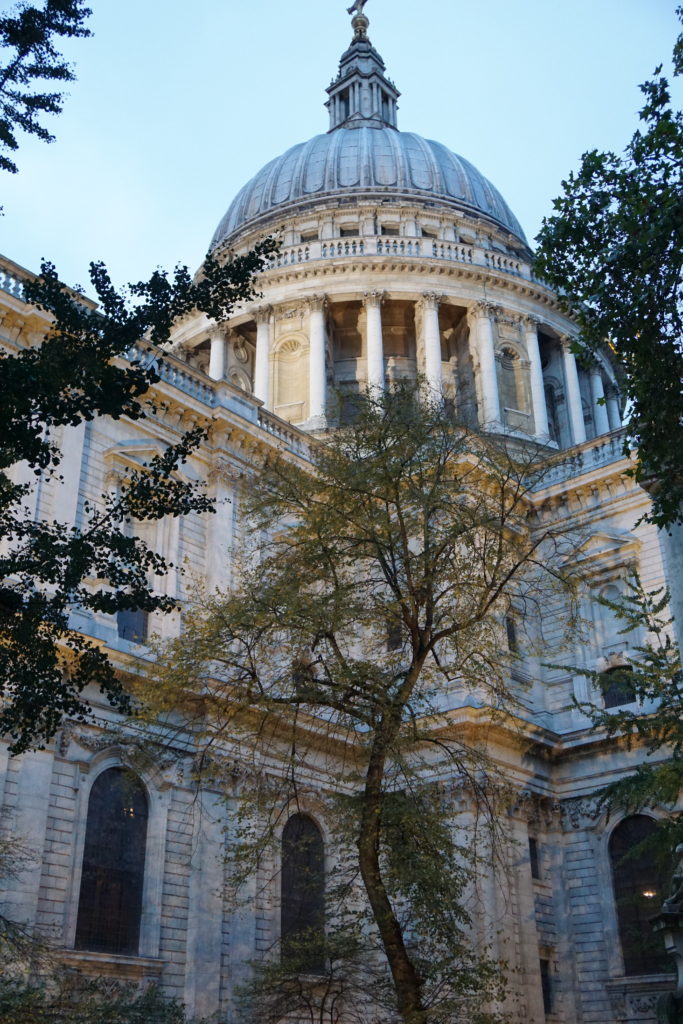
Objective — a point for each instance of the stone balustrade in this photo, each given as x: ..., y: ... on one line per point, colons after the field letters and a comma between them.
x: 594, y: 454
x: 281, y: 430
x: 11, y: 282
x: 409, y: 248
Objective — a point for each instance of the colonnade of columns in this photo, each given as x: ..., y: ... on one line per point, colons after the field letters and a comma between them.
x: 482, y: 318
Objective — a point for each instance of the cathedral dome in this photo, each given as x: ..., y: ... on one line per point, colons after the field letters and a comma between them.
x: 366, y: 161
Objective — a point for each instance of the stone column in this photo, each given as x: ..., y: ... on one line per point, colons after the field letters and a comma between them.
x: 613, y: 414
x: 571, y: 376
x: 600, y: 418
x: 317, y: 347
x: 541, y: 429
x: 489, y: 414
x: 431, y: 340
x: 374, y: 345
x: 217, y: 358
x: 264, y: 338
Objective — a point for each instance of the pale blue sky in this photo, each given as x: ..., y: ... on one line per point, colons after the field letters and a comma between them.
x: 177, y: 105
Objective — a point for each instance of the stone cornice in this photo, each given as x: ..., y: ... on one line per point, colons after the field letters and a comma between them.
x: 347, y: 267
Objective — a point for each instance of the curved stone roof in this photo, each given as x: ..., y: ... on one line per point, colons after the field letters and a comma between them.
x: 363, y: 160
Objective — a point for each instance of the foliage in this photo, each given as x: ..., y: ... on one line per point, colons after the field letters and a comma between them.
x: 654, y: 718
x: 70, y: 998
x: 373, y: 603
x: 31, y: 59
x: 614, y: 252
x: 49, y: 569
x: 18, y: 944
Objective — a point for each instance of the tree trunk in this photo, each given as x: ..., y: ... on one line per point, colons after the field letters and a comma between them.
x: 407, y: 982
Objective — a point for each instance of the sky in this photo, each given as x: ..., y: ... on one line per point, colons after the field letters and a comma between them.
x: 177, y: 105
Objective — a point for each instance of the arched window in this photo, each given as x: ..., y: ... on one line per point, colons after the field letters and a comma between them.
x: 638, y: 895
x: 110, y: 900
x: 302, y: 920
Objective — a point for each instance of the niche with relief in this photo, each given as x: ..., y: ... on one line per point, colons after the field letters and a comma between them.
x: 290, y: 379
x: 513, y: 380
x: 241, y: 354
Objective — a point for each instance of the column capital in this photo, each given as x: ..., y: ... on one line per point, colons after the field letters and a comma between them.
x: 373, y: 298
x: 531, y: 322
x: 316, y: 303
x: 566, y: 342
x: 221, y: 470
x: 262, y: 314
x: 485, y: 310
x: 431, y: 300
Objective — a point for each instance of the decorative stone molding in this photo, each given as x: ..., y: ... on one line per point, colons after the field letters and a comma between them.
x: 113, y: 968
x: 239, y: 348
x: 222, y: 470
x: 263, y: 314
x: 487, y: 310
x: 540, y: 811
x: 113, y: 479
x: 431, y: 300
x: 579, y: 812
x: 127, y: 750
x: 317, y: 303
x: 373, y: 298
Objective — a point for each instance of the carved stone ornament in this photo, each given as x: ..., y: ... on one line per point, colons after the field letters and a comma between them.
x: 489, y: 310
x: 66, y: 733
x: 128, y: 750
x: 113, y: 479
x: 317, y: 303
x: 263, y: 314
x: 542, y: 811
x: 373, y: 298
x: 531, y: 323
x: 579, y: 812
x: 431, y: 300
x: 240, y: 349
x: 222, y: 470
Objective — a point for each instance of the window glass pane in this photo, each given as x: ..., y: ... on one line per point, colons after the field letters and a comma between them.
x: 617, y: 686
x: 110, y: 901
x: 638, y: 893
x: 303, y: 895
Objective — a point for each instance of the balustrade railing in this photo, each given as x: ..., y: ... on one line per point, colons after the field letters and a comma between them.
x: 409, y: 248
x: 11, y: 282
x: 600, y: 451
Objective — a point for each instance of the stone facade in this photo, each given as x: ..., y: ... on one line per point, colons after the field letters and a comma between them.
x: 377, y: 280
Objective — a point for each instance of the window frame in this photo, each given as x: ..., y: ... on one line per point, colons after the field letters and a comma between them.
x: 158, y: 799
x: 610, y: 864
x: 302, y: 812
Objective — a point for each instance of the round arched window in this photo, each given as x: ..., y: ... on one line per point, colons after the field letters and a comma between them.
x: 638, y: 894
x: 302, y: 923
x: 110, y: 901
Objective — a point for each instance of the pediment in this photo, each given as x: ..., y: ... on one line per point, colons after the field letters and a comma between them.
x: 608, y: 547
x: 137, y: 453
